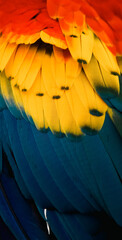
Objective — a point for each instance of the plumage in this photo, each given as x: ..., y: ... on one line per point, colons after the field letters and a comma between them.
x: 60, y: 119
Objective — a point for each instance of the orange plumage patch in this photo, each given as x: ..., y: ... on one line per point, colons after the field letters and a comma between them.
x: 31, y: 17
x: 104, y: 17
x: 59, y: 62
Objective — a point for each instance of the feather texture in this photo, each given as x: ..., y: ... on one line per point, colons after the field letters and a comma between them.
x: 60, y: 119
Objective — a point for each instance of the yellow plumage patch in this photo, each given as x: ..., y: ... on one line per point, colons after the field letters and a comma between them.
x: 56, y: 88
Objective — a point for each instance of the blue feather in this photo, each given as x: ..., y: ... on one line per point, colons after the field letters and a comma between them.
x: 74, y: 180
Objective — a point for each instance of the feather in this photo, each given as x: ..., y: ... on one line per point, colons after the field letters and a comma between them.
x: 60, y: 119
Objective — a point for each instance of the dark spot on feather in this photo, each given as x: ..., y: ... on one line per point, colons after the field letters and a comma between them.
x: 115, y: 73
x: 16, y: 86
x: 95, y: 112
x: 44, y: 130
x: 87, y: 130
x: 72, y: 137
x: 10, y: 78
x: 41, y: 45
x: 35, y: 16
x: 83, y: 32
x: 56, y: 97
x: 64, y: 88
x: 38, y: 44
x: 24, y: 90
x: 49, y: 49
x: 74, y: 36
x: 59, y: 134
x: 106, y: 92
x: 82, y: 61
x: 40, y: 94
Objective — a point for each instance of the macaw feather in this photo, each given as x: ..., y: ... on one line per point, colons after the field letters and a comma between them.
x: 41, y: 95
x: 60, y: 119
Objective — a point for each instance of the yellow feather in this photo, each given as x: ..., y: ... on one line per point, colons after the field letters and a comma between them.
x: 53, y: 41
x: 73, y: 70
x: 87, y: 41
x: 87, y: 123
x: 79, y: 112
x: 48, y: 75
x: 4, y: 88
x: 111, y: 82
x: 74, y: 45
x: 24, y: 97
x: 28, y: 39
x: 81, y: 45
x: 2, y: 48
x: 35, y: 103
x: 10, y: 48
x: 67, y: 121
x: 33, y: 71
x: 50, y: 113
x: 119, y: 60
x: 16, y: 60
x: 64, y: 70
x: 102, y: 81
x: 59, y: 68
x: 25, y: 66
x: 105, y: 57
x: 88, y: 96
x: 17, y: 97
x: 8, y: 95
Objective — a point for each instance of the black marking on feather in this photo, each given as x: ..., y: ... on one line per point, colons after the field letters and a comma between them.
x: 82, y: 61
x: 115, y: 73
x: 49, y: 49
x: 44, y: 130
x: 24, y: 90
x: 83, y: 32
x: 10, y: 78
x: 72, y: 137
x: 56, y: 97
x: 59, y: 134
x: 74, y: 36
x: 87, y: 130
x: 41, y: 45
x: 56, y: 19
x: 38, y: 43
x: 64, y: 88
x: 95, y: 112
x: 106, y: 92
x: 40, y: 94
x: 16, y: 86
x: 36, y: 15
